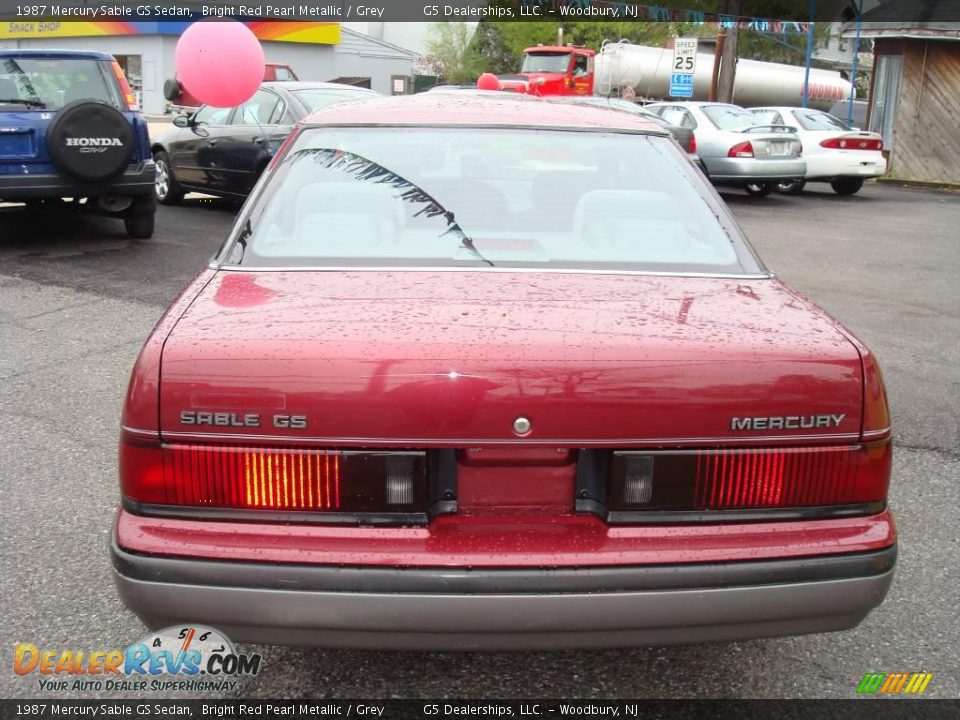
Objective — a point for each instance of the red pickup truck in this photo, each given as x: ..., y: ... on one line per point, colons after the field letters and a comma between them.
x: 179, y: 96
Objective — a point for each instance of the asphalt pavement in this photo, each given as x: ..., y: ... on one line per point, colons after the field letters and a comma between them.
x: 77, y: 299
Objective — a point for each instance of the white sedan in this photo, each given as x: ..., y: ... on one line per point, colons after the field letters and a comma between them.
x: 835, y: 152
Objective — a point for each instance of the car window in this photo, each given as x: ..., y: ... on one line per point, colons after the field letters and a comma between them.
x: 729, y: 117
x: 278, y: 113
x: 671, y: 114
x: 43, y: 83
x: 283, y: 73
x: 580, y: 66
x: 545, y: 62
x: 208, y: 115
x: 319, y: 98
x: 511, y: 198
x: 816, y: 120
x: 768, y: 117
x: 257, y: 110
x: 687, y: 120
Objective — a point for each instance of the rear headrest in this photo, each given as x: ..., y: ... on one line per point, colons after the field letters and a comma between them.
x: 555, y: 195
x: 649, y: 204
x: 364, y: 214
x: 635, y: 220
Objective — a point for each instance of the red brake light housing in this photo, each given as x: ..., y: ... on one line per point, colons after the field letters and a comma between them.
x: 741, y: 150
x: 128, y: 95
x: 745, y: 479
x: 297, y: 484
x: 692, y: 147
x: 852, y: 143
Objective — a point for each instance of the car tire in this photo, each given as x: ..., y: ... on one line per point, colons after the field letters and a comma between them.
x: 90, y: 141
x: 139, y: 227
x: 140, y: 218
x: 794, y: 187
x: 846, y: 185
x: 759, y: 190
x: 166, y: 187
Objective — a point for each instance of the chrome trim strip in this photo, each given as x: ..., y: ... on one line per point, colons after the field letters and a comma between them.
x: 549, y: 271
x: 139, y: 432
x: 876, y: 434
x: 548, y: 442
x: 652, y: 130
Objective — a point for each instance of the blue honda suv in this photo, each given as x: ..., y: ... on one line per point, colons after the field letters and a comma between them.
x: 71, y: 136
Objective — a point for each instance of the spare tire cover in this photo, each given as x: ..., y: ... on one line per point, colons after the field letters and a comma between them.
x: 90, y: 141
x: 172, y: 90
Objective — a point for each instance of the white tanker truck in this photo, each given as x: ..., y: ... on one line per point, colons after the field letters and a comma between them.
x: 647, y: 71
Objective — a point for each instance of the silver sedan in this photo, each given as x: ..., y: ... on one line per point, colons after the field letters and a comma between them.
x: 734, y: 148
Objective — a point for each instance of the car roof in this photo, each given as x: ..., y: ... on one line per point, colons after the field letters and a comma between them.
x: 38, y: 53
x: 696, y: 103
x: 294, y: 85
x: 785, y: 108
x: 478, y: 109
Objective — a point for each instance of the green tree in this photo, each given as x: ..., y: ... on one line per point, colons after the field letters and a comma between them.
x: 449, y: 54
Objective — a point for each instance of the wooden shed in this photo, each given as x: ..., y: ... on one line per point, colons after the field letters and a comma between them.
x: 915, y: 98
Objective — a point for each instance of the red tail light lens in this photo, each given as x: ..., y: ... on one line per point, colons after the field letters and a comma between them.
x: 692, y: 148
x: 852, y: 143
x: 278, y: 479
x: 734, y: 479
x: 128, y: 95
x: 741, y: 150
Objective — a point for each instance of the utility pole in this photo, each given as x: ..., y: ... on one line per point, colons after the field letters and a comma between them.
x: 715, y: 71
x: 728, y: 54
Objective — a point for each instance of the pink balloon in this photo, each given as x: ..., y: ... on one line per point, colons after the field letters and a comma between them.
x: 488, y: 81
x: 220, y: 63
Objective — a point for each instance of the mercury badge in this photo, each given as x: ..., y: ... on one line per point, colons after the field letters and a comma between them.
x: 521, y: 426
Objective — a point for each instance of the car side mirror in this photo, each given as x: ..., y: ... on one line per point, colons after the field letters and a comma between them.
x: 183, y: 121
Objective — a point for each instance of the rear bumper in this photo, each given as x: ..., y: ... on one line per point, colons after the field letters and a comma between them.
x: 139, y: 179
x: 524, y: 608
x: 742, y: 171
x: 845, y: 164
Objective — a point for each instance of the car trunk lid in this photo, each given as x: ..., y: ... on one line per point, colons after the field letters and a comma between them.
x: 772, y: 141
x: 433, y: 359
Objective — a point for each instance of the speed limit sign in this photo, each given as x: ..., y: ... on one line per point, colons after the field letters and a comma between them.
x: 684, y: 67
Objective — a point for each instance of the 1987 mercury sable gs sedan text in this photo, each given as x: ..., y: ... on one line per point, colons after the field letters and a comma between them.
x: 474, y: 372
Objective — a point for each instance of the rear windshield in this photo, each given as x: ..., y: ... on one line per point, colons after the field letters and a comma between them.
x: 815, y: 120
x: 51, y: 83
x: 316, y: 99
x: 730, y: 117
x: 465, y: 197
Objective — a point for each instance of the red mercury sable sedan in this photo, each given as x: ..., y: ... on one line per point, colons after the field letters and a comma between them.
x: 478, y: 372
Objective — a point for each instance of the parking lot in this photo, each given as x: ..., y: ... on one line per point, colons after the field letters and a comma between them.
x: 77, y: 299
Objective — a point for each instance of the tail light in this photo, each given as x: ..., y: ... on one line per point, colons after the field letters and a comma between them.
x: 876, y: 412
x: 124, y: 86
x: 852, y: 143
x: 741, y: 150
x: 738, y: 479
x: 278, y: 479
x: 692, y: 147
